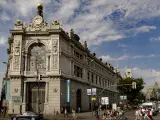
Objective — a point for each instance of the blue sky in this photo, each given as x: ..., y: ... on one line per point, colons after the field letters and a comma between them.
x: 124, y: 29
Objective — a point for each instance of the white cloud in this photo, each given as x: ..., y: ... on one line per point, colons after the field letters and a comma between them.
x: 125, y: 57
x: 145, y: 29
x: 155, y: 39
x: 122, y: 45
x: 4, y: 17
x: 90, y: 23
x: 3, y: 40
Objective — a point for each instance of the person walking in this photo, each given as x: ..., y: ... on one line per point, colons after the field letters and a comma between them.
x: 4, y: 107
x: 73, y: 113
x: 79, y: 109
x: 145, y: 115
x: 140, y: 114
x: 150, y: 114
x: 65, y: 112
x: 137, y: 115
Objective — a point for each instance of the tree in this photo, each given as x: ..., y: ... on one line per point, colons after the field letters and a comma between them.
x: 133, y: 95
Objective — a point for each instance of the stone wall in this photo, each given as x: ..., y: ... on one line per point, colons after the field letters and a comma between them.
x: 15, y: 90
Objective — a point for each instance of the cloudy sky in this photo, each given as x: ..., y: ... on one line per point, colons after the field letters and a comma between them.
x: 122, y: 30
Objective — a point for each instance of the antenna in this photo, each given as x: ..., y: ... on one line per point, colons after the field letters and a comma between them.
x: 116, y: 62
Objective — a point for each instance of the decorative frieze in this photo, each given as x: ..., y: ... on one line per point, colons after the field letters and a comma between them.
x: 55, y: 46
x: 16, y: 63
x: 55, y: 62
x: 16, y: 47
x: 54, y: 53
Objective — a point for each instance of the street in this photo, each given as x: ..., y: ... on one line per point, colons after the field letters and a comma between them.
x: 88, y: 116
x: 131, y: 116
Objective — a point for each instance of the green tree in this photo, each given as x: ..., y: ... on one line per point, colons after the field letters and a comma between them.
x: 133, y: 95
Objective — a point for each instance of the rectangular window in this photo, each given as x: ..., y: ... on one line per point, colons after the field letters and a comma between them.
x: 75, y: 70
x: 48, y: 63
x: 81, y: 57
x: 88, y: 76
x: 24, y: 64
x: 92, y: 78
x: 78, y: 55
x: 81, y: 73
x: 99, y: 80
x: 96, y: 79
x: 78, y: 72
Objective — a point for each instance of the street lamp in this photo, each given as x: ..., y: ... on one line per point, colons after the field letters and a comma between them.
x: 5, y: 63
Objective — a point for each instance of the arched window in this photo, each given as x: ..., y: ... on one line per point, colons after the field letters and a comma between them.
x: 37, y: 57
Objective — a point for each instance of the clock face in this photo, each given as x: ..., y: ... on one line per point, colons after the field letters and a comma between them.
x: 38, y: 20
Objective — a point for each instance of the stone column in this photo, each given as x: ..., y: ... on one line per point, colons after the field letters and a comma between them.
x: 26, y: 62
x: 46, y: 99
x: 24, y: 98
x: 46, y: 93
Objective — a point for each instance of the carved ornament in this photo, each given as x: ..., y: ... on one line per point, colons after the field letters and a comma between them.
x: 18, y: 23
x: 16, y: 63
x: 55, y: 61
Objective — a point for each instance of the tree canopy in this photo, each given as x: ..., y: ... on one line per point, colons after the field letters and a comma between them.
x: 133, y: 95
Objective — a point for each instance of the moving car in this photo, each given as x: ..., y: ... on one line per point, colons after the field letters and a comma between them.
x: 27, y: 116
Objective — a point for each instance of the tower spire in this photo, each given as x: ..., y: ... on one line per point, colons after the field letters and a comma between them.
x: 40, y: 10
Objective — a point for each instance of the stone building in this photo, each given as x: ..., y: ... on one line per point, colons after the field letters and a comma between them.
x: 66, y: 66
x: 128, y: 73
x: 153, y: 92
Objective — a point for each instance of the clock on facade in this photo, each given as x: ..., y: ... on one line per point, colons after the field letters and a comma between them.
x: 38, y: 20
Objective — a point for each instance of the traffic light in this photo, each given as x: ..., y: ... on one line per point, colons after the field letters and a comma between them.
x: 133, y: 85
x: 39, y: 77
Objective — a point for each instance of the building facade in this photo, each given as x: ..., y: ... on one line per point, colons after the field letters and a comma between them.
x: 128, y: 74
x: 153, y: 92
x: 66, y: 66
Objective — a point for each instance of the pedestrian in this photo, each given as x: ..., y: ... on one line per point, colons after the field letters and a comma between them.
x: 79, y: 109
x: 54, y: 112
x: 137, y: 115
x: 140, y: 114
x: 73, y: 113
x: 150, y: 114
x: 4, y: 107
x: 65, y: 112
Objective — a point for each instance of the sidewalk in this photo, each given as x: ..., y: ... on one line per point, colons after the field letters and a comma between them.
x: 80, y: 116
x: 83, y: 116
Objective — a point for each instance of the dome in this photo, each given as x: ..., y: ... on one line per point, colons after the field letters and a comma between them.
x: 40, y: 5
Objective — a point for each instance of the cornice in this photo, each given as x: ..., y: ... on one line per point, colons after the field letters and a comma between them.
x: 17, y: 32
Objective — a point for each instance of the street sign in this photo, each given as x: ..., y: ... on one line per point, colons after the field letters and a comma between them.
x: 17, y: 99
x: 104, y: 100
x: 93, y: 99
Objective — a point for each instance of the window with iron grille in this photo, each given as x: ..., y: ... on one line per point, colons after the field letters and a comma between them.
x: 78, y: 71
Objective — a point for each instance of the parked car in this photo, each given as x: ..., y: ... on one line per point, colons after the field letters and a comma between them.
x: 27, y: 116
x: 159, y: 107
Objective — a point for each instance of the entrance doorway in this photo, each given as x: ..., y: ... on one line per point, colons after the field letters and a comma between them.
x: 78, y: 99
x: 32, y: 96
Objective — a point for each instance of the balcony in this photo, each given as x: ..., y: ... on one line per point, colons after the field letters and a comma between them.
x: 34, y: 73
x: 43, y: 73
